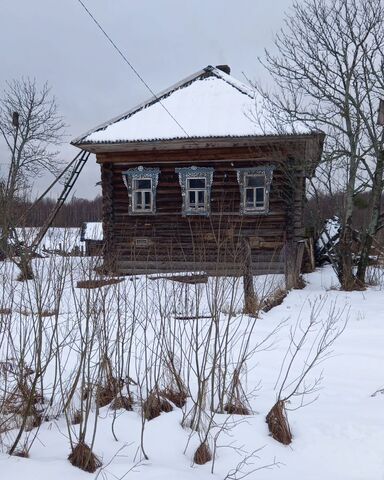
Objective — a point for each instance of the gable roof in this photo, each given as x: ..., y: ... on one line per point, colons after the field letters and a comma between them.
x: 209, y: 103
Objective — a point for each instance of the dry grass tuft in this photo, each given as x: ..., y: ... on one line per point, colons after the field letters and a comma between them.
x: 203, y: 454
x: 122, y: 402
x: 107, y: 392
x: 178, y: 398
x: 48, y: 313
x: 23, y: 453
x: 237, y: 408
x: 5, y: 311
x: 104, y: 395
x: 82, y: 457
x: 154, y: 405
x: 274, y: 300
x: 301, y: 283
x: 77, y: 417
x: 278, y: 423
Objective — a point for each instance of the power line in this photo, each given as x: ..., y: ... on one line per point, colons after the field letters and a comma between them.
x: 130, y: 65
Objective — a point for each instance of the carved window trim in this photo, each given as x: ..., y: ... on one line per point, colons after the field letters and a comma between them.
x: 242, y: 173
x: 141, y: 173
x: 193, y: 172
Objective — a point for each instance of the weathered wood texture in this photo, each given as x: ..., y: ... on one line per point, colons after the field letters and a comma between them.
x: 177, y: 242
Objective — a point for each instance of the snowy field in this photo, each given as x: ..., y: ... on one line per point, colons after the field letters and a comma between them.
x: 51, y: 325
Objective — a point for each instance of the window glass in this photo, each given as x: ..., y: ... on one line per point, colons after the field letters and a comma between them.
x: 138, y: 200
x: 201, y: 196
x: 196, y: 191
x: 260, y: 195
x: 249, y: 195
x: 147, y: 199
x: 255, y: 181
x: 143, y: 183
x: 196, y: 183
x: 142, y: 195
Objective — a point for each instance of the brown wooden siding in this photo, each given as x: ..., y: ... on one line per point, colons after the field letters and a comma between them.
x: 176, y: 242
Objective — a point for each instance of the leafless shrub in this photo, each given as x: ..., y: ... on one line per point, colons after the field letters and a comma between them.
x: 237, y: 402
x: 324, y: 333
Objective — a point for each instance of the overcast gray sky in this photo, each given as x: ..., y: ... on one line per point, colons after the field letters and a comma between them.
x: 166, y: 40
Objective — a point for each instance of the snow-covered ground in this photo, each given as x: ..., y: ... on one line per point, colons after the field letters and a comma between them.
x: 56, y: 238
x: 338, y: 435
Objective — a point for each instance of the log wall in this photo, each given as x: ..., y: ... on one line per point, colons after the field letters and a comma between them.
x: 215, y: 243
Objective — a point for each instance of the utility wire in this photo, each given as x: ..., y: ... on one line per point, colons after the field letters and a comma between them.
x: 130, y: 65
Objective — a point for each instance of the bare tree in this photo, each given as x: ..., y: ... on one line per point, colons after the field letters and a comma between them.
x: 30, y: 125
x: 329, y: 73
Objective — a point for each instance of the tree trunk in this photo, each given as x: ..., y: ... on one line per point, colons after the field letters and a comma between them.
x: 345, y: 262
x: 375, y: 206
x: 250, y: 298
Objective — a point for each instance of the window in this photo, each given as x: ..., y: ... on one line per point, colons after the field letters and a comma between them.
x: 254, y: 192
x: 196, y: 194
x: 141, y: 184
x: 255, y: 184
x: 142, y: 195
x: 195, y: 185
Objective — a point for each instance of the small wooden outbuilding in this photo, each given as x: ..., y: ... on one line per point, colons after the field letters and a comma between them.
x: 193, y: 181
x: 91, y: 235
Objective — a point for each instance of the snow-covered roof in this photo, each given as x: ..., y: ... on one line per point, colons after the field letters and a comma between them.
x: 92, y: 231
x: 209, y: 103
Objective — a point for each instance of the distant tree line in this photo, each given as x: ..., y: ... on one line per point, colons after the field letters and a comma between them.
x: 72, y: 214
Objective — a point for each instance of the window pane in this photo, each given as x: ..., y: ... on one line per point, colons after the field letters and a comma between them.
x: 255, y: 181
x: 201, y: 197
x: 260, y: 195
x: 249, y: 197
x: 192, y: 197
x: 138, y: 200
x: 143, y: 184
x: 196, y: 183
x: 147, y: 200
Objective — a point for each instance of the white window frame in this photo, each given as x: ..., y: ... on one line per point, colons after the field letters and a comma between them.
x: 130, y: 177
x: 195, y: 206
x: 142, y: 191
x: 255, y: 207
x: 195, y: 173
x: 242, y: 174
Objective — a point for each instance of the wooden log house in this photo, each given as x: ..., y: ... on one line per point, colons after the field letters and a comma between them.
x: 192, y: 182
